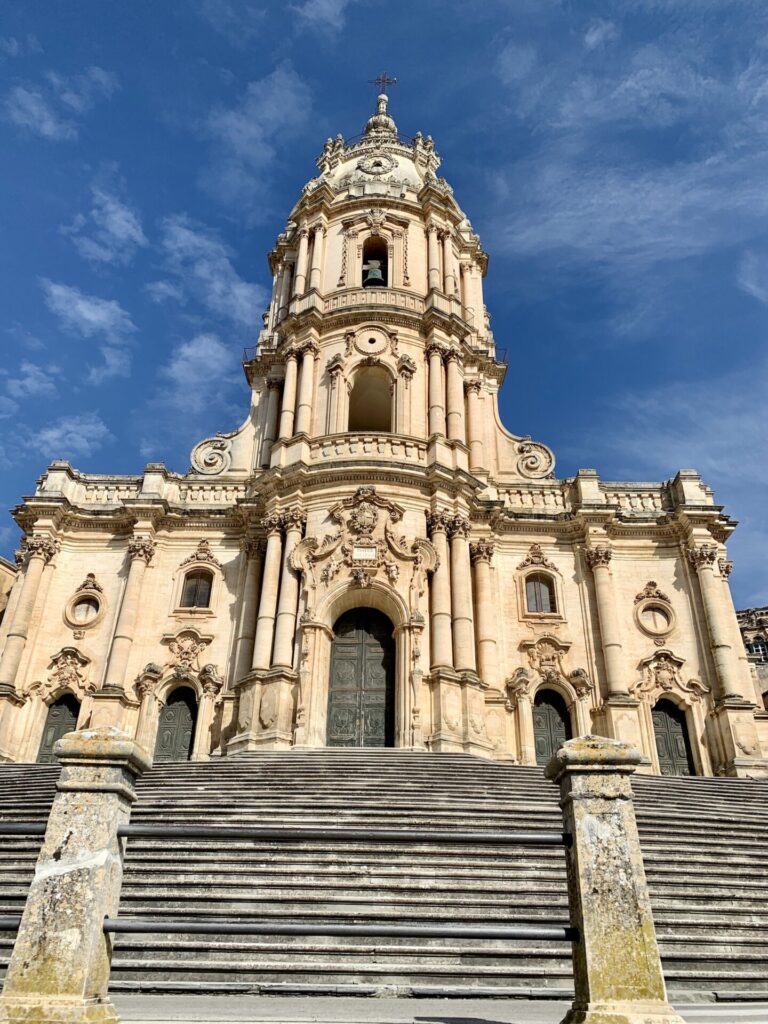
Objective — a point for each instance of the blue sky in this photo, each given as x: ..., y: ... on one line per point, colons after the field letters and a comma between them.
x: 612, y: 156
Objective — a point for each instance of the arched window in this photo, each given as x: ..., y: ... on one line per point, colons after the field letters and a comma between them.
x: 197, y: 589
x: 540, y: 593
x: 375, y: 263
x: 370, y: 403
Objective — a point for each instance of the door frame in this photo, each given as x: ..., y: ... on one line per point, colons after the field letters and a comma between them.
x: 665, y: 699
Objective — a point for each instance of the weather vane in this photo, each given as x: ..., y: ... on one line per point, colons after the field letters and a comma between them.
x: 382, y: 81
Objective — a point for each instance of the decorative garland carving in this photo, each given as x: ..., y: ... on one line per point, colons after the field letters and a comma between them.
x: 213, y: 455
x: 68, y: 671
x: 203, y: 554
x: 536, y: 558
x: 185, y: 648
x: 89, y: 584
x: 651, y: 590
x: 661, y: 674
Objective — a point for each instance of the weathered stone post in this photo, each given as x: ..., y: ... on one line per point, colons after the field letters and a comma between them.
x: 59, y: 969
x: 617, y: 969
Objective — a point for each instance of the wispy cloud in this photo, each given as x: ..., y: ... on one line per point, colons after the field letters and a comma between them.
x: 247, y: 137
x: 239, y: 21
x: 327, y: 16
x: 70, y: 437
x: 599, y: 33
x: 51, y: 110
x: 11, y: 47
x: 32, y: 381
x: 87, y: 316
x: 752, y: 276
x: 111, y: 231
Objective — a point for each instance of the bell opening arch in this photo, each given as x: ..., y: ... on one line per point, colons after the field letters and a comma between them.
x: 370, y: 400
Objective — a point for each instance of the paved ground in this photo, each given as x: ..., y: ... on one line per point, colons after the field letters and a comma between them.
x: 286, y: 1010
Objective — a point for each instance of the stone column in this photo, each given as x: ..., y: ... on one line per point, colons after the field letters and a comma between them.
x: 336, y: 376
x: 434, y: 353
x: 703, y: 558
x: 449, y: 272
x: 617, y: 968
x: 433, y: 260
x: 285, y: 291
x: 440, y: 594
x: 211, y: 684
x: 455, y: 397
x: 59, y: 969
x: 475, y: 425
x: 306, y: 388
x: 265, y: 624
x: 315, y: 270
x: 146, y: 685
x: 277, y: 280
x: 140, y: 552
x: 481, y: 554
x: 39, y: 550
x: 289, y: 395
x: 270, y: 427
x: 300, y: 280
x: 598, y: 559
x: 285, y: 628
x: 461, y: 597
x: 465, y: 291
x: 253, y: 550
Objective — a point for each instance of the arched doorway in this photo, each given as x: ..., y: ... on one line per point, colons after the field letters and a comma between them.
x: 551, y: 724
x: 361, y: 691
x: 176, y: 729
x: 673, y: 745
x: 62, y: 718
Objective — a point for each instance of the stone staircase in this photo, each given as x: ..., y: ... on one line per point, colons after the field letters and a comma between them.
x: 705, y: 843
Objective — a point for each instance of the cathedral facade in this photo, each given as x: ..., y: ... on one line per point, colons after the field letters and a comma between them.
x: 372, y: 558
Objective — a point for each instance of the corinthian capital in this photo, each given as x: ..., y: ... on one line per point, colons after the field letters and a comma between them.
x: 481, y: 551
x: 439, y: 522
x: 292, y: 518
x: 599, y: 556
x: 141, y: 547
x: 474, y: 386
x: 310, y: 347
x: 434, y: 348
x: 702, y: 556
x: 41, y: 547
x: 459, y: 526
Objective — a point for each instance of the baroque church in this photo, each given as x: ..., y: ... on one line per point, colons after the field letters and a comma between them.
x: 372, y: 559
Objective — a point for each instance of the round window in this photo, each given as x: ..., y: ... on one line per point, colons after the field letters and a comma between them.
x: 85, y: 610
x: 655, y: 618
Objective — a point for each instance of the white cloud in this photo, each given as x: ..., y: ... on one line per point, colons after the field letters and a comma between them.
x: 8, y: 407
x: 27, y: 108
x: 202, y: 264
x: 599, y: 32
x: 165, y: 291
x: 752, y: 276
x: 81, y: 92
x: 196, y: 373
x: 246, y: 139
x: 32, y: 381
x: 111, y: 232
x: 71, y: 437
x: 48, y: 110
x: 238, y: 20
x: 324, y: 15
x: 11, y: 47
x: 515, y: 62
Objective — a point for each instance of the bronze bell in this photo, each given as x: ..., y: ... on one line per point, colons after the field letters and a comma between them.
x: 374, y: 277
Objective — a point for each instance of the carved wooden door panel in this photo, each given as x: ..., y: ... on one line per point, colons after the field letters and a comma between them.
x: 362, y: 681
x: 551, y: 724
x: 61, y: 718
x: 176, y: 729
x: 672, y: 744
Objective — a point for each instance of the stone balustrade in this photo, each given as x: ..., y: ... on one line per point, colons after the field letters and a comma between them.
x: 397, y: 448
x: 350, y: 298
x: 637, y: 501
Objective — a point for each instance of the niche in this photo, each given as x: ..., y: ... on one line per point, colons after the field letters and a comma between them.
x: 370, y: 402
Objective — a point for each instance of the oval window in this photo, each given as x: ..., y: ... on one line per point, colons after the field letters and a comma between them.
x: 85, y: 610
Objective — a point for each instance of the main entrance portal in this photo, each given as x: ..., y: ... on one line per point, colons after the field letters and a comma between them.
x: 361, y: 694
x: 672, y: 743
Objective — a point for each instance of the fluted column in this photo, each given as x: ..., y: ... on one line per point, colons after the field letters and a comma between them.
x: 481, y: 554
x: 285, y: 627
x: 461, y: 597
x: 275, y: 300
x: 265, y: 624
x: 703, y: 558
x: 316, y: 266
x: 288, y: 410
x: 449, y: 272
x: 440, y: 593
x: 436, y: 403
x: 253, y: 550
x: 306, y: 388
x: 285, y: 291
x: 598, y: 559
x: 270, y: 427
x: 300, y: 280
x: 39, y: 551
x: 474, y: 425
x: 433, y: 259
x: 140, y: 552
x: 455, y: 397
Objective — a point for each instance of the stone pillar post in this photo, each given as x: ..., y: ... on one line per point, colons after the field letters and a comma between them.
x: 211, y: 684
x: 285, y: 627
x: 306, y: 389
x: 617, y: 968
x: 59, y: 969
x: 39, y: 550
x: 140, y: 552
x: 475, y: 425
x: 433, y: 259
x: 455, y: 397
x: 434, y: 353
x: 270, y: 427
x: 146, y: 685
x: 461, y: 597
x: 289, y: 395
x: 703, y: 558
x: 336, y: 377
x: 598, y: 559
x: 481, y: 554
x: 285, y: 291
x: 253, y: 550
x: 440, y: 594
x: 300, y: 280
x: 315, y: 270
x: 265, y: 624
x: 449, y: 272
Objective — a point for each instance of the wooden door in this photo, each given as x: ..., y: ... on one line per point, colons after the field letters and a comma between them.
x: 672, y: 743
x: 62, y: 718
x: 362, y: 683
x: 176, y: 730
x: 551, y: 724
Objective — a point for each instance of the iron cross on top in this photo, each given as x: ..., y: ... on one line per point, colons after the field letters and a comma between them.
x: 382, y: 81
